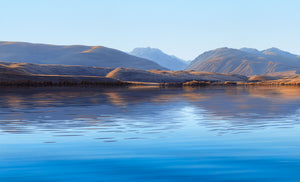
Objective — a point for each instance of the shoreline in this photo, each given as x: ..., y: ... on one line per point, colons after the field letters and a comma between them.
x: 121, y: 84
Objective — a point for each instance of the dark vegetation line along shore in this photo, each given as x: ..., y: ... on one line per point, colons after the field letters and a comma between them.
x: 30, y: 83
x: 227, y: 83
x: 195, y: 83
x: 272, y: 83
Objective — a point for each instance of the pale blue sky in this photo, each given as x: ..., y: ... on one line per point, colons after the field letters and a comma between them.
x: 184, y: 28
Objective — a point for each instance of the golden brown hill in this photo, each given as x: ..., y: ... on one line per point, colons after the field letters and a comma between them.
x: 45, y: 69
x: 7, y: 70
x: 15, y: 73
x: 263, y: 78
x: 156, y: 76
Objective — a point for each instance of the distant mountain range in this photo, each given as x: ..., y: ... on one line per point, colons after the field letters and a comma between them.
x: 161, y: 58
x: 72, y: 55
x: 246, y: 61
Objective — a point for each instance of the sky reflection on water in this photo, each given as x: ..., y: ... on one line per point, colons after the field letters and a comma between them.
x: 219, y: 134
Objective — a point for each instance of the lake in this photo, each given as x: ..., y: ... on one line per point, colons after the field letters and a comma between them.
x: 150, y: 134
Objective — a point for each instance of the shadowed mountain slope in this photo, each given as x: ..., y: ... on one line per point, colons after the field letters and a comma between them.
x: 72, y: 55
x: 246, y: 61
x: 161, y: 58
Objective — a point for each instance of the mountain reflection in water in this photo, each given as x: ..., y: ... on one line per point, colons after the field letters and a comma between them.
x: 150, y: 134
x: 29, y: 110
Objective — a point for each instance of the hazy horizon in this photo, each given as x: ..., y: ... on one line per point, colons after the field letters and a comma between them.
x: 183, y: 29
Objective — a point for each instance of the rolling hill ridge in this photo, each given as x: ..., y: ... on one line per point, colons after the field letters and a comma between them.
x: 72, y: 55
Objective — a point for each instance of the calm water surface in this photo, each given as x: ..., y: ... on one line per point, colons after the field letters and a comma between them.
x: 91, y: 135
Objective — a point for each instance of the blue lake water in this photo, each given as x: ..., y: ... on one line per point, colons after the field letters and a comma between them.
x: 150, y: 134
